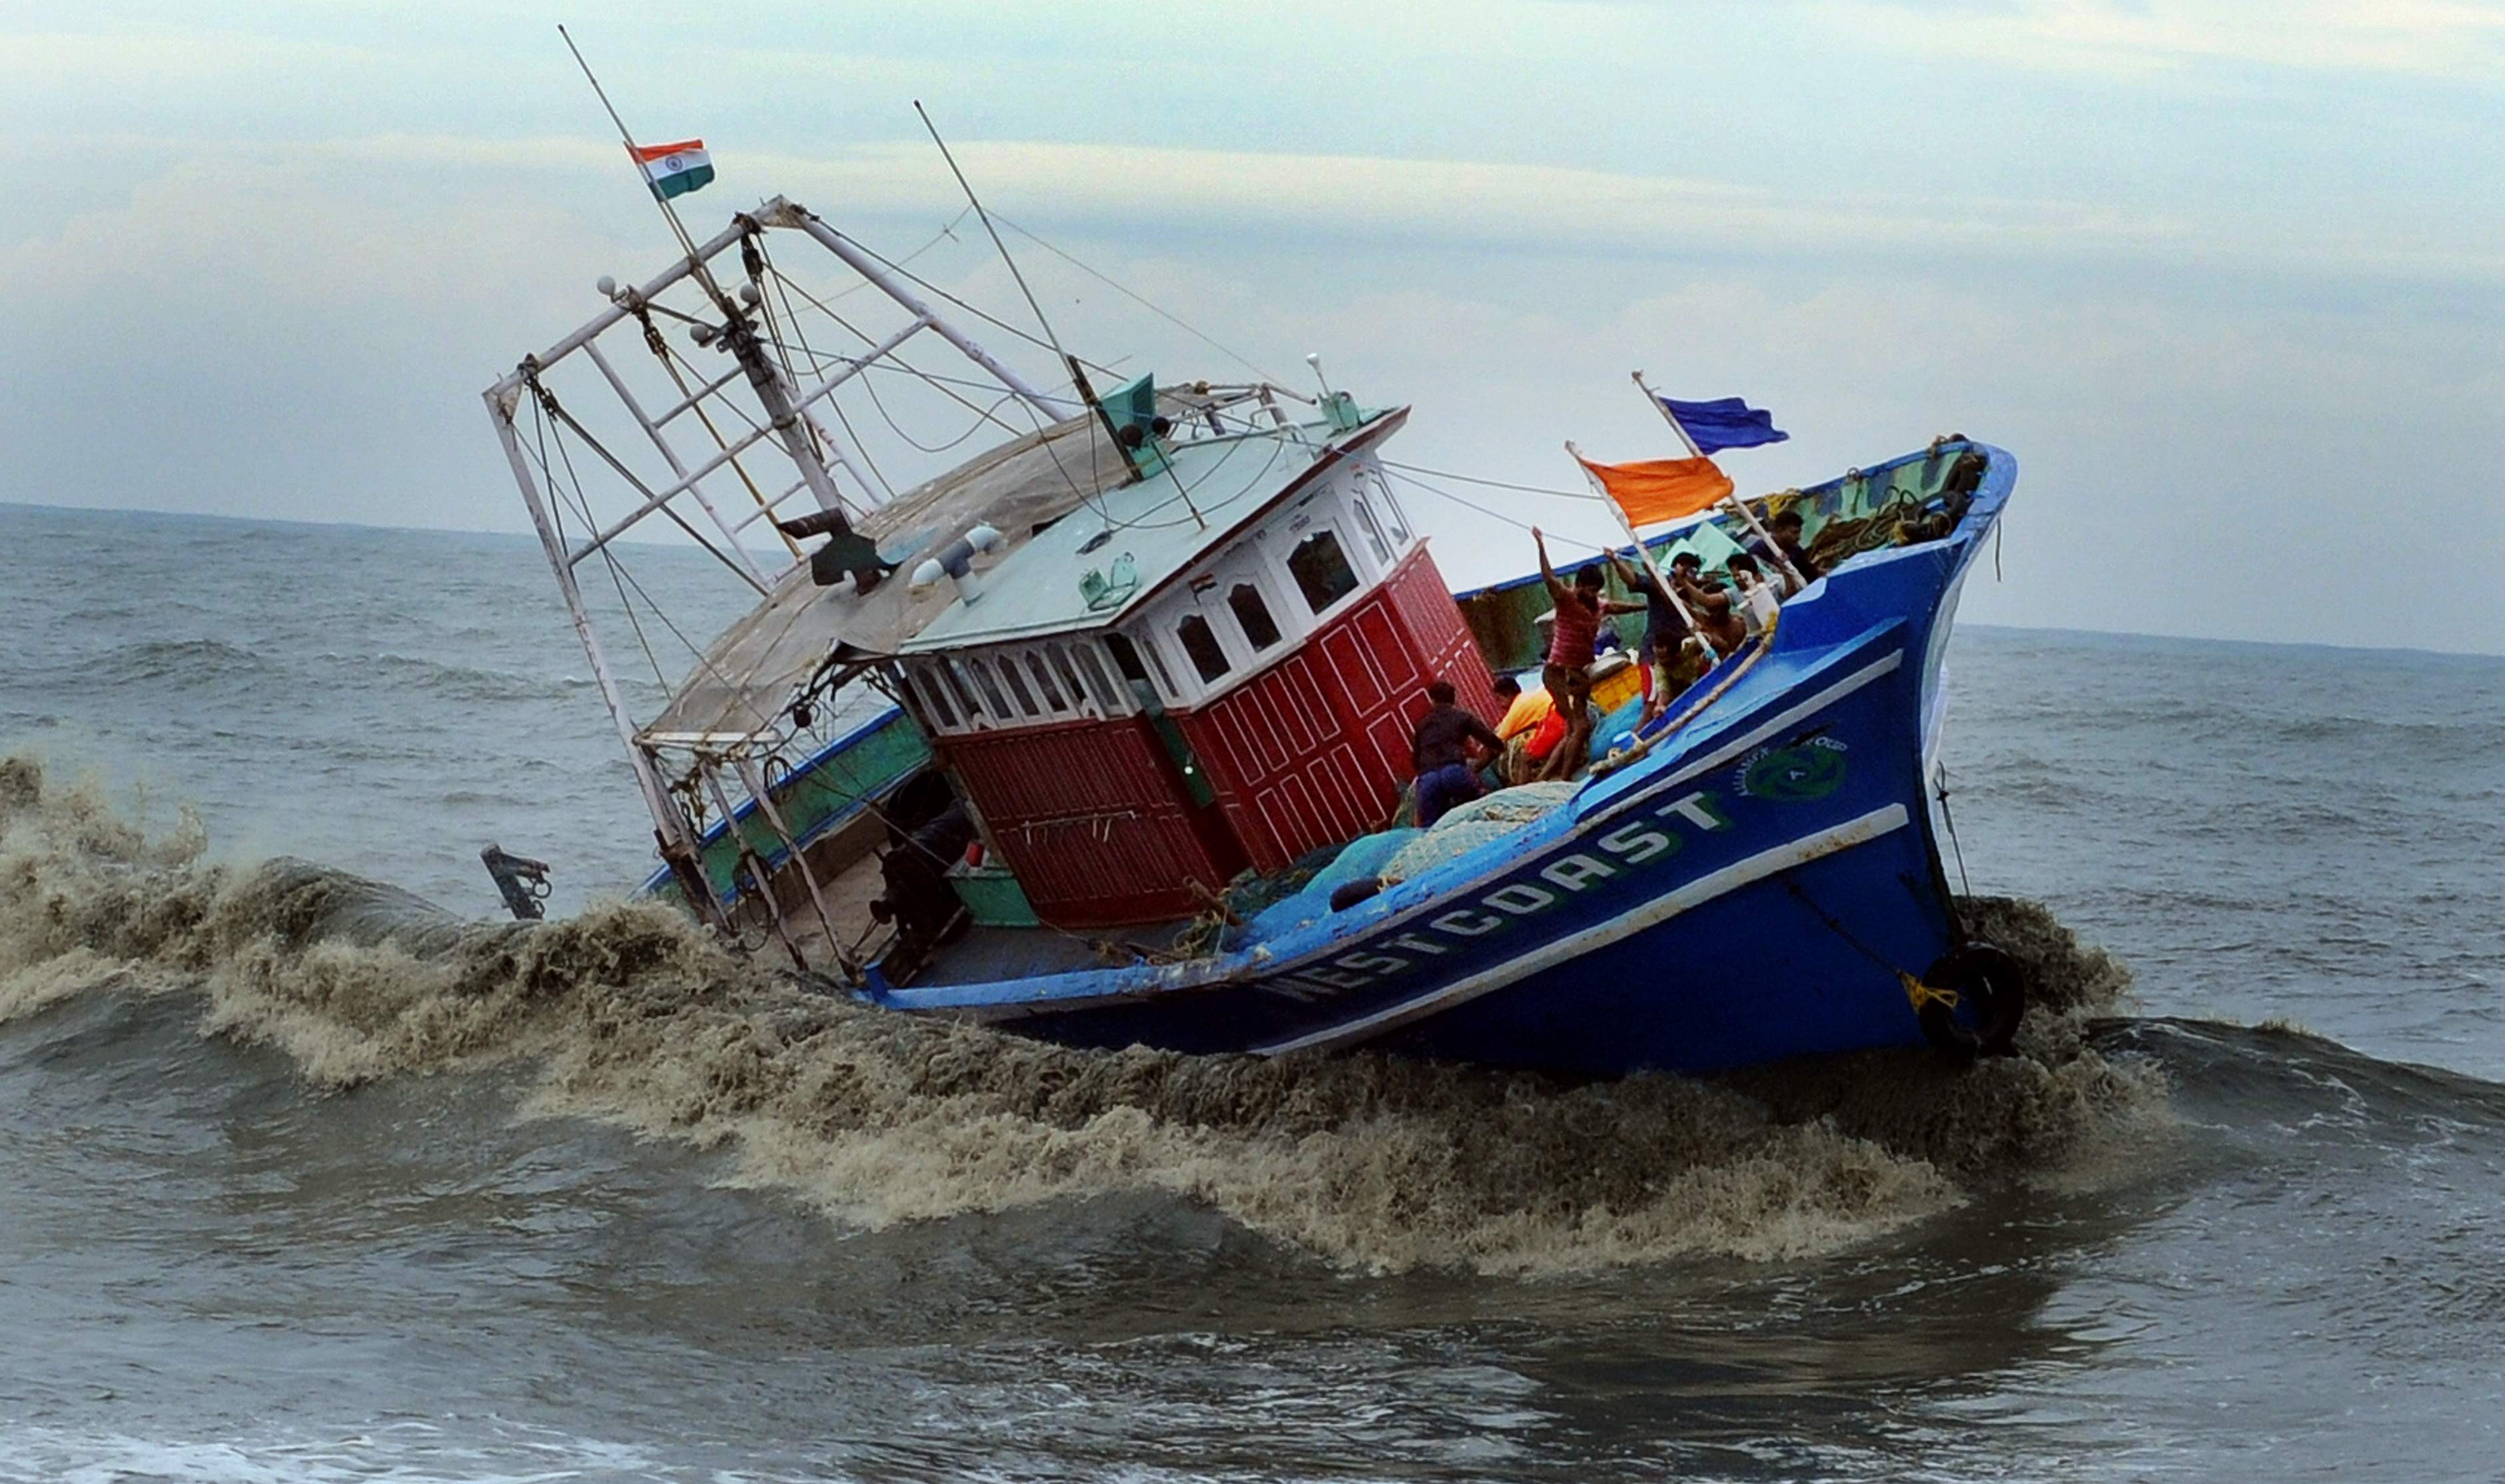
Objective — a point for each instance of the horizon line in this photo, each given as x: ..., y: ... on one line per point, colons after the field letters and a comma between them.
x: 527, y: 538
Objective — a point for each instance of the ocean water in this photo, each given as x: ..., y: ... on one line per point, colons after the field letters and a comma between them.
x: 309, y: 1171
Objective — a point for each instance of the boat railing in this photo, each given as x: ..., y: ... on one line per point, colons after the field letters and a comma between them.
x: 1208, y: 410
x: 1709, y: 688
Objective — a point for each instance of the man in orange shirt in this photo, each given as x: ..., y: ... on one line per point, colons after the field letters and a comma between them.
x: 1523, y: 709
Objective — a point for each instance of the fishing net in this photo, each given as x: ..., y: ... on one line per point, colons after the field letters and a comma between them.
x: 1469, y: 826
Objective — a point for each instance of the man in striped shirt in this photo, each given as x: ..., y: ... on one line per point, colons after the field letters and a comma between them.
x: 1581, y: 608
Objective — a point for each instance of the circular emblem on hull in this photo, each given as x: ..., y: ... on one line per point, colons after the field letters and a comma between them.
x: 1795, y: 774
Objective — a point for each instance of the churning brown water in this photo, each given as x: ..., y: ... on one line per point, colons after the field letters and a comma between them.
x: 629, y: 1015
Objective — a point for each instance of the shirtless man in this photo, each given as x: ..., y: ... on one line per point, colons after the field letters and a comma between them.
x: 1717, y: 609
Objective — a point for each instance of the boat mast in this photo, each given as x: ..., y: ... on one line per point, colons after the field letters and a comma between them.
x: 738, y: 335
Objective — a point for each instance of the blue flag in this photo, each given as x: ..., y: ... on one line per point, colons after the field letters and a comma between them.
x: 1725, y: 422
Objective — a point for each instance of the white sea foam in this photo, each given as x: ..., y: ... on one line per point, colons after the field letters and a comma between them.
x: 1374, y: 1162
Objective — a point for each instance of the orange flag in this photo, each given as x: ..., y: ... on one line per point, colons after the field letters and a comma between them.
x: 1655, y: 490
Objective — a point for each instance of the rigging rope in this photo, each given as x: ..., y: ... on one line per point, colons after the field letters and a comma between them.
x: 991, y: 320
x: 1140, y: 299
x: 791, y: 316
x: 990, y: 414
x: 1528, y: 490
x: 669, y: 360
x: 541, y: 405
x: 1402, y: 474
x: 618, y: 574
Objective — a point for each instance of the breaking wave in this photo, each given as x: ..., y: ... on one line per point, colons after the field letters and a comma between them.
x: 628, y: 1013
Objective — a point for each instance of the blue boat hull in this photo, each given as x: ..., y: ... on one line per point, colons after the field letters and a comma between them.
x: 1753, y: 888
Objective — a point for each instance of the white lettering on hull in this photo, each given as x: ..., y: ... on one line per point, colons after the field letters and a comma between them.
x: 1696, y: 893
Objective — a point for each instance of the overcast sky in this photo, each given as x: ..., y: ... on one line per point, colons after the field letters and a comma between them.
x: 2225, y: 277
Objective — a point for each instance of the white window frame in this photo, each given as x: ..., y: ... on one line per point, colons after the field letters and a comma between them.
x: 1230, y: 662
x: 1322, y: 615
x: 1370, y: 526
x: 1104, y: 681
x: 1399, y: 522
x: 1249, y: 574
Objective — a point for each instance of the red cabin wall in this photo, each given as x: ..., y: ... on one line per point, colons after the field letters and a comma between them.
x: 1091, y: 818
x: 1437, y: 628
x: 1314, y: 750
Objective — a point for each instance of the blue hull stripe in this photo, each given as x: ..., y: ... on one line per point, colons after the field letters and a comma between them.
x: 1772, y: 726
x: 1782, y: 722
x: 1695, y: 894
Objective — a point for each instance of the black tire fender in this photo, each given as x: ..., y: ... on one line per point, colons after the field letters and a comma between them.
x: 1971, y: 1000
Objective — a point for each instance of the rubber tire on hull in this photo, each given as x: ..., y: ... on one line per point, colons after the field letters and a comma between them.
x: 1990, y: 986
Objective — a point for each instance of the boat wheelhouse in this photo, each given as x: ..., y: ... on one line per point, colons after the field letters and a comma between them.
x: 1075, y: 735
x: 1187, y: 637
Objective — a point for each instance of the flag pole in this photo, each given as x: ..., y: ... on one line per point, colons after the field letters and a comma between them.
x: 1644, y: 553
x: 669, y: 213
x: 1773, y: 548
x: 1670, y: 417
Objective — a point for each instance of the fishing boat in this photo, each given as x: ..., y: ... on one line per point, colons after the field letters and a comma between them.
x: 1102, y: 734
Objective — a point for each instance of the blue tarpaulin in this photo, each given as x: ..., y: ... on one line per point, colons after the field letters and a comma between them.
x: 1725, y: 422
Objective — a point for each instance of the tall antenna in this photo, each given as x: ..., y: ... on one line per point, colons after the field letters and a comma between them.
x: 973, y: 200
x: 669, y: 213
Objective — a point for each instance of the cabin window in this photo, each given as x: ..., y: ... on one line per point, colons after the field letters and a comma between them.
x: 1132, y: 658
x: 1157, y: 663
x: 1126, y: 658
x: 1393, y: 520
x: 1321, y: 569
x: 991, y: 689
x: 1043, y: 686
x: 1106, y: 695
x: 947, y: 671
x: 1373, y: 533
x: 1069, y: 676
x: 1200, y: 643
x: 1253, y: 615
x: 933, y: 697
x: 1016, y: 683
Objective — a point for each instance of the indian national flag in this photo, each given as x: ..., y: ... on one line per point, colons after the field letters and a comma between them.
x: 674, y: 169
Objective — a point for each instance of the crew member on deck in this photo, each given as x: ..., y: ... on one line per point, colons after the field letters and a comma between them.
x: 1526, y: 712
x: 1716, y: 609
x: 1760, y: 595
x: 1568, y: 674
x: 1785, y: 528
x: 1440, y: 752
x: 1670, y: 654
x: 1523, y: 709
